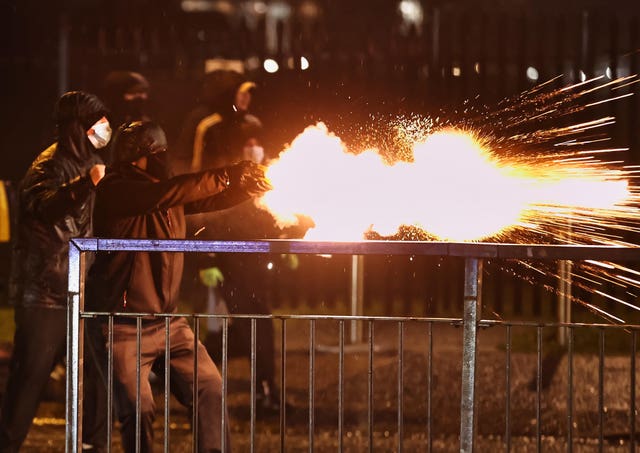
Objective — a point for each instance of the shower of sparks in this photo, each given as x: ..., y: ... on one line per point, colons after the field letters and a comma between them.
x: 521, y: 172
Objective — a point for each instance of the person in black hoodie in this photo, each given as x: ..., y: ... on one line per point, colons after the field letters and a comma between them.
x: 138, y: 199
x: 126, y: 94
x: 215, y: 131
x: 55, y: 203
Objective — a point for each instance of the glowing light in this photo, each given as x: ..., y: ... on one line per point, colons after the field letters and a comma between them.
x: 269, y: 265
x: 456, y: 71
x: 270, y: 65
x: 583, y: 76
x: 304, y: 63
x: 608, y: 73
x: 532, y: 74
x: 476, y: 67
x: 411, y: 12
x: 455, y: 189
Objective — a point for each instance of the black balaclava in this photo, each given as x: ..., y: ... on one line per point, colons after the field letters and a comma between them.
x: 75, y: 113
x: 116, y: 85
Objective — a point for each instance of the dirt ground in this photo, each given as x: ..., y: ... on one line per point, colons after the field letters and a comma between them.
x: 47, y: 435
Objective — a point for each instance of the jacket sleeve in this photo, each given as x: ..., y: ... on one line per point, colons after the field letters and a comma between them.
x: 129, y: 197
x: 45, y: 193
x: 222, y: 200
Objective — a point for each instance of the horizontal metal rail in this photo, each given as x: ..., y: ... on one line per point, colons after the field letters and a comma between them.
x: 460, y: 249
x: 471, y: 320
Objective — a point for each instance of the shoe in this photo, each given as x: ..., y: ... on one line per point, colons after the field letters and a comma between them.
x: 268, y: 401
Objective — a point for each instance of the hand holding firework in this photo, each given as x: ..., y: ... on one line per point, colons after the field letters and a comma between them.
x: 249, y: 177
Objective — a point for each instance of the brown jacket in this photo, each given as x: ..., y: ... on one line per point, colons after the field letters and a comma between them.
x: 132, y: 204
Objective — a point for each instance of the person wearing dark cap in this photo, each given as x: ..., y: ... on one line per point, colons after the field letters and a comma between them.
x: 56, y: 199
x: 138, y: 199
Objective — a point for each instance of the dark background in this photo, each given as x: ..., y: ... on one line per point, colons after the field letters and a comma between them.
x: 366, y: 62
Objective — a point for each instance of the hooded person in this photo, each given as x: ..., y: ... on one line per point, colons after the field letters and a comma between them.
x: 126, y: 94
x: 142, y: 282
x: 55, y: 200
x: 218, y: 129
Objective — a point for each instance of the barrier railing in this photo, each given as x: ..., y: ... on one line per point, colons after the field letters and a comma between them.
x: 472, y: 253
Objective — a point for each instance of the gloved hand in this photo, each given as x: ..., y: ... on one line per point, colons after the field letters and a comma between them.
x: 211, y: 276
x: 248, y: 176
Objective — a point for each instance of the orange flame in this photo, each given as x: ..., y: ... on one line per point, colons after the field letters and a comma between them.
x: 455, y: 188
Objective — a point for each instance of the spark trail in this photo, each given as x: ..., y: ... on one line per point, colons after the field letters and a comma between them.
x: 520, y: 172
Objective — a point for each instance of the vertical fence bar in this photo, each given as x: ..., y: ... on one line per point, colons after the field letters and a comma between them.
x: 341, y: 386
x: 370, y: 388
x: 167, y: 380
x: 538, y: 388
x: 283, y: 382
x: 429, y: 388
x: 194, y: 415
x: 224, y: 422
x: 252, y: 428
x: 357, y: 295
x: 601, y: 392
x: 75, y: 337
x: 400, y: 385
x: 507, y: 431
x: 109, y: 383
x: 312, y: 359
x: 138, y: 359
x: 632, y: 415
x: 472, y: 305
x: 570, y: 392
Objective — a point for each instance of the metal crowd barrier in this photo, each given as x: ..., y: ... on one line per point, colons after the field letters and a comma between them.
x: 472, y: 253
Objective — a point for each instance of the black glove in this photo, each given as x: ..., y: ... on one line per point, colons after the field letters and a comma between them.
x: 249, y: 177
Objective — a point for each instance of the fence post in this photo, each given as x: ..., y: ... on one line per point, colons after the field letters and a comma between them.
x: 75, y: 326
x: 472, y: 313
x: 357, y: 296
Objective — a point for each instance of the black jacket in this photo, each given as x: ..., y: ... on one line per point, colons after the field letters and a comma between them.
x: 56, y: 199
x: 132, y: 204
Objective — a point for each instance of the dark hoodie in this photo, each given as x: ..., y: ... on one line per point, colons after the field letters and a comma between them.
x: 55, y: 204
x: 215, y: 131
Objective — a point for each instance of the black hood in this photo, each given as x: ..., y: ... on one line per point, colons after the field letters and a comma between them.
x: 75, y: 113
x: 118, y: 83
x: 219, y: 89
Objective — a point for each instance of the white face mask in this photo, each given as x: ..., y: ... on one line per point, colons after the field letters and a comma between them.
x: 101, y: 134
x: 254, y: 153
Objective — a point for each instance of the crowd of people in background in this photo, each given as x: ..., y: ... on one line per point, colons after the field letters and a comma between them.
x: 112, y: 173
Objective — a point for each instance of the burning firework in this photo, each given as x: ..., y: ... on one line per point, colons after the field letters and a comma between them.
x: 498, y: 175
x: 454, y: 188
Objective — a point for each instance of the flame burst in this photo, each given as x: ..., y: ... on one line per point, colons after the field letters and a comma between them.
x: 522, y: 171
x: 454, y: 188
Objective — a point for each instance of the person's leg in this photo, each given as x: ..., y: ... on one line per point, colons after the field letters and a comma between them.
x: 38, y: 342
x: 209, y: 385
x: 125, y: 383
x: 94, y: 404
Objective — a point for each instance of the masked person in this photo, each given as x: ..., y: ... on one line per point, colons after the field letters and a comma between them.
x: 138, y: 199
x: 126, y: 94
x: 56, y: 199
x: 218, y: 132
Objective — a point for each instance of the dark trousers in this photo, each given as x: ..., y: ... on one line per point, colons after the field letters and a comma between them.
x: 39, y: 342
x: 182, y: 344
x: 243, y: 300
